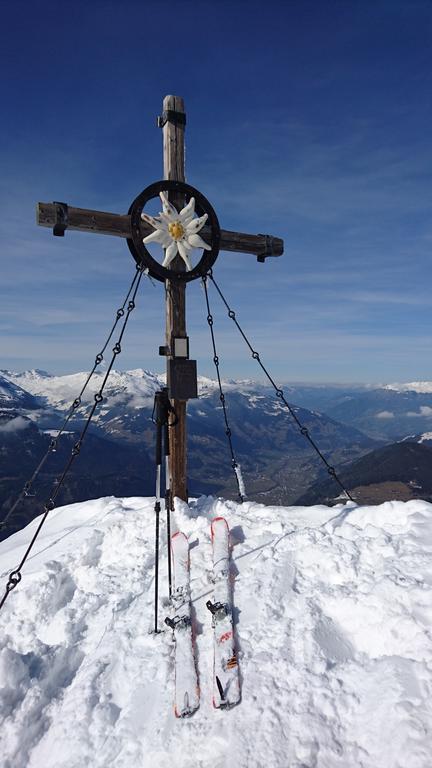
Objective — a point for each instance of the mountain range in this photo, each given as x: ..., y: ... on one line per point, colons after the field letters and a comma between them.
x: 278, y: 464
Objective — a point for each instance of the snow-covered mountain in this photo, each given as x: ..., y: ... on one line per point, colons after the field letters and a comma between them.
x: 421, y: 387
x: 390, y: 411
x: 425, y: 437
x: 277, y: 462
x: 133, y: 389
x: 14, y: 396
x: 333, y: 608
x: 276, y: 459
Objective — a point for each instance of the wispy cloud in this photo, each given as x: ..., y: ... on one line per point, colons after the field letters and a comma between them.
x: 335, y: 161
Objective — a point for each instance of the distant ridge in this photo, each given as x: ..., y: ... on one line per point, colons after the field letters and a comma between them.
x: 398, y: 471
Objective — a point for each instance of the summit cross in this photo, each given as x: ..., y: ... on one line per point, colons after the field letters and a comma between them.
x: 60, y: 216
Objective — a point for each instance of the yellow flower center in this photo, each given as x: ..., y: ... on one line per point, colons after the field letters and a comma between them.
x: 176, y: 230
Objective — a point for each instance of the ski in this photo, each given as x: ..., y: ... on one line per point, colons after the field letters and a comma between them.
x: 226, y: 679
x: 186, y: 695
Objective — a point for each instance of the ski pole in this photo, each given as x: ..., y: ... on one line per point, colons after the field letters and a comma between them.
x: 168, y: 500
x: 157, y: 507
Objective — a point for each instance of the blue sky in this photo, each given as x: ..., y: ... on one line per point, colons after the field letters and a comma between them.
x: 306, y: 120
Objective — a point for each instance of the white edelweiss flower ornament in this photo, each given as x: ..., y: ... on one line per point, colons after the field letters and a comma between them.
x: 176, y: 231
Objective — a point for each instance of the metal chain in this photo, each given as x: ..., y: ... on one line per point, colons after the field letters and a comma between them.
x: 279, y: 392
x: 221, y: 393
x: 26, y: 491
x: 15, y: 575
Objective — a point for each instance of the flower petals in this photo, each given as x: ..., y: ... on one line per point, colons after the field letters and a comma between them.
x: 158, y: 237
x: 197, y: 224
x: 197, y: 242
x: 168, y: 209
x: 163, y: 223
x: 155, y: 221
x: 170, y: 253
x: 184, y: 254
x: 188, y: 212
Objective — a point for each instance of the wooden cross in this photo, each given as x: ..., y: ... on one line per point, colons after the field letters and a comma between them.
x: 53, y: 215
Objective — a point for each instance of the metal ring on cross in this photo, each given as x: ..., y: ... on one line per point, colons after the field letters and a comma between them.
x: 175, y: 229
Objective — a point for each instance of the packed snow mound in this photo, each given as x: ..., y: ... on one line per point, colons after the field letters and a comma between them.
x: 332, y: 610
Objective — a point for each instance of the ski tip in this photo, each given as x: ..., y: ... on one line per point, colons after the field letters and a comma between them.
x: 178, y: 535
x: 218, y: 522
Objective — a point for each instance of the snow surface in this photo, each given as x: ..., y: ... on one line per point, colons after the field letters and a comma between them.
x: 333, y: 609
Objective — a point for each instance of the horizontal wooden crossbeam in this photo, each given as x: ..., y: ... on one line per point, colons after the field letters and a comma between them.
x: 84, y: 220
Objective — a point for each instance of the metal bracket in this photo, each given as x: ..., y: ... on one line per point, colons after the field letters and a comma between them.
x: 62, y: 219
x: 178, y: 622
x: 182, y: 378
x: 171, y: 116
x: 218, y: 610
x: 268, y: 248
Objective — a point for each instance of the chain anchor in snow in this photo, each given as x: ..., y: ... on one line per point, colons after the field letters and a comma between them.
x: 162, y: 409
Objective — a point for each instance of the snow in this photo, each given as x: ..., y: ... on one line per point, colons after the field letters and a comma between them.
x: 425, y: 437
x: 136, y: 386
x: 422, y: 387
x: 333, y: 609
x: 60, y: 391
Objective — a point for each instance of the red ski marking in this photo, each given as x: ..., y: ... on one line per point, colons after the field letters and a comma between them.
x: 215, y: 520
x: 179, y: 533
x: 226, y: 636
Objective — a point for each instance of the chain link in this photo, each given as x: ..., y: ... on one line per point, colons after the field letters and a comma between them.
x: 15, y: 575
x: 279, y: 392
x: 221, y: 393
x: 26, y: 491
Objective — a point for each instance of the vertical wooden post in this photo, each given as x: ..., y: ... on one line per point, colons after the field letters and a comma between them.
x: 174, y: 169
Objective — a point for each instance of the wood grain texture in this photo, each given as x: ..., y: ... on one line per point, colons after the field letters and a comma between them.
x: 174, y: 170
x: 118, y: 225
